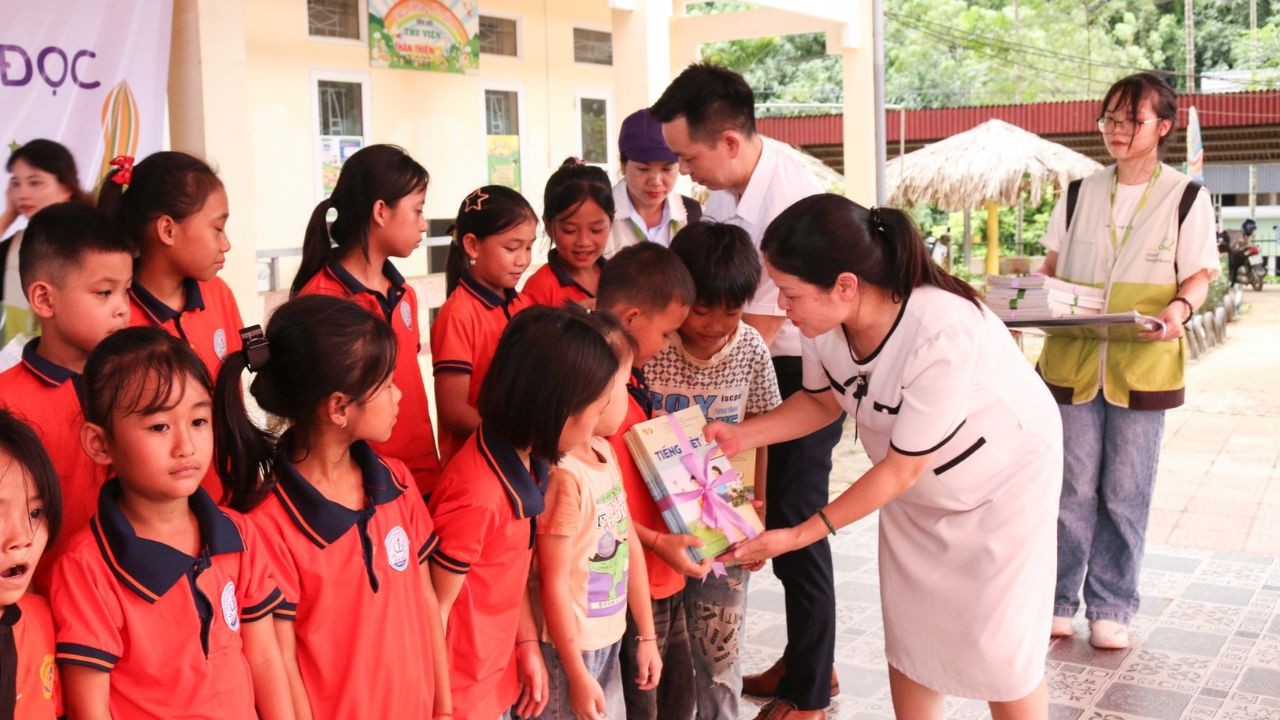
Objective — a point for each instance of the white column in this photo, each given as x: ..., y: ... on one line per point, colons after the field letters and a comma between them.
x: 641, y: 52
x: 209, y: 117
x: 859, y: 106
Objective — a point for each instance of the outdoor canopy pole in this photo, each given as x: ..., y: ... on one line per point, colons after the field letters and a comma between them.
x: 877, y: 35
x: 993, y: 239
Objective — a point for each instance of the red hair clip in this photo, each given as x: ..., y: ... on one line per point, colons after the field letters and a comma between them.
x: 124, y: 175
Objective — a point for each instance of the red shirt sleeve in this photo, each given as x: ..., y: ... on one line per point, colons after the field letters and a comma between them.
x: 87, y: 614
x: 278, y: 561
x: 453, y: 337
x: 465, y: 522
x: 259, y: 596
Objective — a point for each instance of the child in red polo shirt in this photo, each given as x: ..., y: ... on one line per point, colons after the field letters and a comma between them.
x: 174, y: 208
x: 378, y: 199
x: 650, y: 291
x: 344, y: 529
x: 159, y: 602
x: 541, y: 397
x: 75, y: 266
x: 30, y: 515
x: 493, y: 237
x: 587, y: 572
x: 577, y: 208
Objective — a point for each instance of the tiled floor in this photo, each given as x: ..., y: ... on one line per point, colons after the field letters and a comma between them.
x: 1207, y: 642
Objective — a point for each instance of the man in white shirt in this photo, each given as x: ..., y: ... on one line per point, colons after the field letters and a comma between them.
x: 708, y: 121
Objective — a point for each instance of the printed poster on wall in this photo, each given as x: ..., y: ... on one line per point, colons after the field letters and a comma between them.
x: 334, y: 151
x: 92, y: 76
x: 504, y: 160
x: 438, y: 35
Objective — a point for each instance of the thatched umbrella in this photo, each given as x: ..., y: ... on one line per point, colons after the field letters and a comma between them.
x: 990, y: 165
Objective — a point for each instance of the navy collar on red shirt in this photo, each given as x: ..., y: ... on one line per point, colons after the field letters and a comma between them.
x: 487, y: 297
x: 11, y: 615
x: 388, y: 301
x: 562, y: 273
x: 319, y: 518
x: 162, y: 313
x: 150, y: 568
x: 524, y: 489
x: 638, y: 389
x: 48, y: 371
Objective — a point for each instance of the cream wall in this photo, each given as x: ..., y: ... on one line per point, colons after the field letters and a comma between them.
x: 437, y: 117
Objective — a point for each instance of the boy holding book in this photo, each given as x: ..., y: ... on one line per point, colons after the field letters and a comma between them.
x: 649, y: 290
x: 722, y: 365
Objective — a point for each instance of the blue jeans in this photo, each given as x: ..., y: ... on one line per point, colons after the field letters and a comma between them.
x: 603, y: 666
x: 716, y: 609
x: 674, y: 697
x: 1110, y: 456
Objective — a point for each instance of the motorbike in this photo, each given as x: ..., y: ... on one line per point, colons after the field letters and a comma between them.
x: 1244, y: 259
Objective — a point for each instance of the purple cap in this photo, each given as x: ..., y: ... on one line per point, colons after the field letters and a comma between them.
x: 640, y: 139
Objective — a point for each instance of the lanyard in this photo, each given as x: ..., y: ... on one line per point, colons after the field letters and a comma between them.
x: 1116, y: 248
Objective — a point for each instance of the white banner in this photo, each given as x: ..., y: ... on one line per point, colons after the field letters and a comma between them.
x: 89, y: 74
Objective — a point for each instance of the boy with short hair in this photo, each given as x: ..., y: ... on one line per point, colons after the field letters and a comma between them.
x: 76, y: 266
x: 650, y: 291
x: 722, y: 365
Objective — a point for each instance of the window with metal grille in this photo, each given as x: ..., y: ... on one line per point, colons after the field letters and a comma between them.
x: 502, y: 113
x: 592, y: 46
x: 498, y: 36
x: 334, y: 18
x: 341, y: 109
x: 593, y: 117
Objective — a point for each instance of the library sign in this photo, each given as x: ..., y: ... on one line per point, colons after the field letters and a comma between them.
x: 439, y: 35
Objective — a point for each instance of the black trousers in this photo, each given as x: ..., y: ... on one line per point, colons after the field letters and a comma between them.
x: 799, y: 474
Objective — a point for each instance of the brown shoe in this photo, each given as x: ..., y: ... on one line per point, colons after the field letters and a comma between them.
x: 765, y: 684
x: 783, y: 710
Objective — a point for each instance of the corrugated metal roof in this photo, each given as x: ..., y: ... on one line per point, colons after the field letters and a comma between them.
x: 1054, y: 118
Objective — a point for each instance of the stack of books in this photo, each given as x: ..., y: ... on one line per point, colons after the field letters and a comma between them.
x: 1039, y: 297
x: 683, y: 472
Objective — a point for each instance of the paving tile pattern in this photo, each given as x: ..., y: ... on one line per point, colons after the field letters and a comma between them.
x: 1206, y: 642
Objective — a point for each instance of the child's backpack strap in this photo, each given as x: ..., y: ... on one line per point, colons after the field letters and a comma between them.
x: 1189, y: 195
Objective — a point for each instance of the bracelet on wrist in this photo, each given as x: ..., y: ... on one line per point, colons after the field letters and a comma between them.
x: 826, y: 521
x: 1191, y: 311
x: 646, y: 638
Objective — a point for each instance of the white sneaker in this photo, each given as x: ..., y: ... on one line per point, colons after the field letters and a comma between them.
x: 1108, y: 635
x: 1061, y: 627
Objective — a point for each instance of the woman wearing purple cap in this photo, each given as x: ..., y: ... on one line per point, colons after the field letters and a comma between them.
x: 647, y: 206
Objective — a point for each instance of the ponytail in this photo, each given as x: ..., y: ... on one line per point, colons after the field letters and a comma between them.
x: 911, y: 264
x: 243, y: 454
x: 357, y: 353
x: 316, y: 247
x: 378, y: 172
x: 163, y: 184
x: 822, y: 236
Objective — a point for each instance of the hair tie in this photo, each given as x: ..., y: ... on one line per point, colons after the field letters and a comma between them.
x: 475, y: 201
x: 876, y: 220
x: 124, y: 175
x: 256, y: 349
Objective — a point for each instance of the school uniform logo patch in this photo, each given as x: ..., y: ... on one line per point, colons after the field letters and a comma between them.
x: 220, y: 343
x: 397, y: 544
x: 406, y: 315
x: 230, y: 608
x: 46, y: 677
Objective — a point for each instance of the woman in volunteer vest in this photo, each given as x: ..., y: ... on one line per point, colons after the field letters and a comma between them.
x: 1142, y: 231
x: 646, y: 206
x: 966, y: 452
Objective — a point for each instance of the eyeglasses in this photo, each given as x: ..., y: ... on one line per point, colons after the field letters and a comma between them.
x: 1106, y: 124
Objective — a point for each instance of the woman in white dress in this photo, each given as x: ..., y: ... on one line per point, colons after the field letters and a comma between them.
x: 966, y: 444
